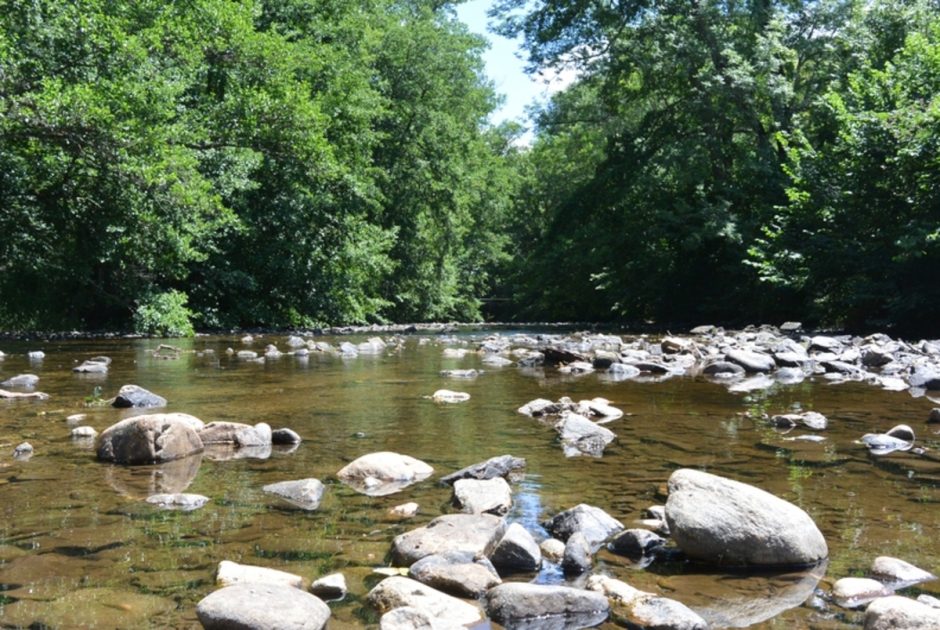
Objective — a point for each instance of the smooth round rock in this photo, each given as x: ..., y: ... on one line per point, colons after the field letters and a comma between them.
x: 261, y: 607
x: 900, y: 613
x: 148, y: 439
x: 727, y: 522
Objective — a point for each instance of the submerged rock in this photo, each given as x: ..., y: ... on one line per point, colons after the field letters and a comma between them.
x: 178, y: 501
x: 727, y: 522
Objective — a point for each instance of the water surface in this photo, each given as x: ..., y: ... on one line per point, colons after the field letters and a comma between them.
x: 79, y: 547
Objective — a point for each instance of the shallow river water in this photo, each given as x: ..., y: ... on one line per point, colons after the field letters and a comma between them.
x: 79, y: 547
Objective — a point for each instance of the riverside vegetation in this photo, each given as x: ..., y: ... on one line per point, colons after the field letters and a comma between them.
x: 718, y: 479
x: 211, y: 164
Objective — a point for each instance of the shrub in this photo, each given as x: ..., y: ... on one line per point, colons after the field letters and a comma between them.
x: 164, y: 315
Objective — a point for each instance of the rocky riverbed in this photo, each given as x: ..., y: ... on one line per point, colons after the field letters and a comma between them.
x: 427, y: 478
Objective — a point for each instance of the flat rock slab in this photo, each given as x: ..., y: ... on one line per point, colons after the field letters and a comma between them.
x: 751, y: 361
x: 261, y: 607
x: 395, y: 592
x: 513, y: 604
x: 149, y: 439
x: 11, y: 395
x: 474, y: 533
x: 303, y: 493
x: 500, y: 466
x: 727, y: 522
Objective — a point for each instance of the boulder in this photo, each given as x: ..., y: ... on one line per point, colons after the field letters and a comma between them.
x: 296, y: 342
x: 900, y: 613
x: 303, y: 493
x: 474, y: 533
x: 517, y: 551
x: 751, y: 361
x: 577, y: 558
x: 260, y: 607
x: 516, y: 604
x: 596, y: 524
x: 727, y: 522
x: 500, y: 466
x: 457, y: 573
x: 178, y: 501
x: 397, y: 591
x: 230, y: 573
x: 285, y: 436
x: 330, y: 587
x: 723, y: 367
x: 552, y: 550
x: 581, y: 435
x: 149, y: 439
x: 136, y: 396
x: 382, y: 473
x: 477, y: 496
x: 636, y: 543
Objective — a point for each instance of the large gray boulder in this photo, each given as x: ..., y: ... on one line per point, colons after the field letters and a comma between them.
x: 474, y: 533
x: 395, y: 592
x: 149, y: 439
x: 596, y: 524
x: 516, y: 604
x: 900, y: 613
x: 260, y: 607
x: 136, y: 396
x: 382, y: 473
x: 517, y: 551
x: 727, y: 522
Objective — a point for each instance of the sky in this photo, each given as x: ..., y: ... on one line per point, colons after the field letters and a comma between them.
x: 505, y: 67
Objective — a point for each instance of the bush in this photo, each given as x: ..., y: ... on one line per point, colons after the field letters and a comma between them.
x: 164, y: 315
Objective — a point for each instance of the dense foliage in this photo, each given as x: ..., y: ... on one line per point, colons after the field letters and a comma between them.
x: 273, y: 163
x: 732, y: 162
x: 296, y: 162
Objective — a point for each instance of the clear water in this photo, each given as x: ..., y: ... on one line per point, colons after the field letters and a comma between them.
x: 79, y: 547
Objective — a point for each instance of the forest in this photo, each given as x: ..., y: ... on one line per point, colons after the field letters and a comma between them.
x: 168, y: 167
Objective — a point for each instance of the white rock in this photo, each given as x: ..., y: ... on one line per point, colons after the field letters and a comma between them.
x: 231, y: 573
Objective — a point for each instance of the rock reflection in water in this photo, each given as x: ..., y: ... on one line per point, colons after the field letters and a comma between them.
x: 139, y: 482
x: 740, y: 601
